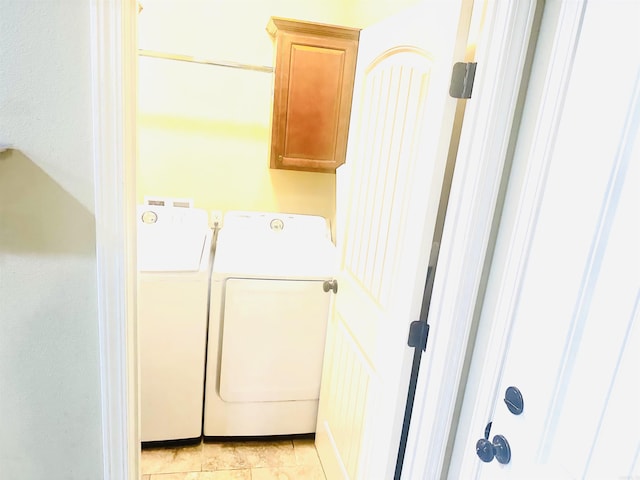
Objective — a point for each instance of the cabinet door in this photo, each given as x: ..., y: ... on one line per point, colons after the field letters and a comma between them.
x: 312, y: 102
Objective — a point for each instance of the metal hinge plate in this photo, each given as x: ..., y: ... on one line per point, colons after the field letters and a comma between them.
x: 418, y: 335
x: 462, y: 77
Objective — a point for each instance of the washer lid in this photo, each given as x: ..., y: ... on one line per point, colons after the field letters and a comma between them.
x: 174, y: 252
x: 170, y: 240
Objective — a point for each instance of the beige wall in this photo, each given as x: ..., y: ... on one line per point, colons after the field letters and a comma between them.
x: 204, y: 130
x: 366, y: 12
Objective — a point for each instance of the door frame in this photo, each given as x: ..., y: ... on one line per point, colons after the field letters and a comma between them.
x: 113, y: 30
x: 505, y: 49
x: 556, y: 62
x: 476, y: 190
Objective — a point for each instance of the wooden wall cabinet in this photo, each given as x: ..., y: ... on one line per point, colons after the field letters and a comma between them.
x: 313, y: 87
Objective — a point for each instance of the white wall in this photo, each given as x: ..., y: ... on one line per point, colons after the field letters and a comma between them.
x: 50, y: 423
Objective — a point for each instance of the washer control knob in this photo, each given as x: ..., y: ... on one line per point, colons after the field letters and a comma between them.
x: 149, y: 217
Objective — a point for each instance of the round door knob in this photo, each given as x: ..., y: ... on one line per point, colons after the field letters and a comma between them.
x: 498, y: 449
x: 484, y: 450
x: 502, y: 449
x: 330, y: 285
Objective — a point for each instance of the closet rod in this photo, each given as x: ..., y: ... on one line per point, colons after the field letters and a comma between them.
x: 204, y: 61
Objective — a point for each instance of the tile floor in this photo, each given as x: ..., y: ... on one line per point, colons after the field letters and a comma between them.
x: 280, y: 459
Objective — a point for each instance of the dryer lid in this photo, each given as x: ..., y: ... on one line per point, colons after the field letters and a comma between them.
x: 274, y: 227
x: 274, y: 245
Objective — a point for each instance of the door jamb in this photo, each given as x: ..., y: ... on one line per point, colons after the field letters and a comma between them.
x: 113, y: 89
x: 488, y: 135
x: 557, y: 56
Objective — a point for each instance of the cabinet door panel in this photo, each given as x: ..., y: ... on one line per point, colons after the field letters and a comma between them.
x: 313, y: 105
x: 313, y: 88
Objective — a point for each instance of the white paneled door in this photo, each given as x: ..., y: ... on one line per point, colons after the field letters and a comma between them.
x: 388, y: 191
x: 561, y: 318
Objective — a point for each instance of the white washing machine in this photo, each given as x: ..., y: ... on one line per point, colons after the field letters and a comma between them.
x: 174, y: 271
x: 267, y: 324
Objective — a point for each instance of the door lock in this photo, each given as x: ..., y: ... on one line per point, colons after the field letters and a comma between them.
x: 498, y: 449
x: 514, y: 401
x: 330, y: 285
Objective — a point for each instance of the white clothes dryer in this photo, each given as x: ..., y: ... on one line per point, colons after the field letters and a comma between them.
x: 267, y: 324
x: 174, y: 271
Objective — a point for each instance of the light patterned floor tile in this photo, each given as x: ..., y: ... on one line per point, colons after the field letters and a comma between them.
x: 244, y: 474
x: 298, y: 472
x: 250, y: 454
x: 305, y: 451
x: 171, y: 460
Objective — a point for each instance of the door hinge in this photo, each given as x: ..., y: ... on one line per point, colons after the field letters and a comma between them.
x: 418, y: 335
x: 462, y: 77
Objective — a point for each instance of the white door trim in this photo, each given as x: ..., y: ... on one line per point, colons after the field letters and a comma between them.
x: 114, y: 65
x: 489, y: 129
x: 559, y: 57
